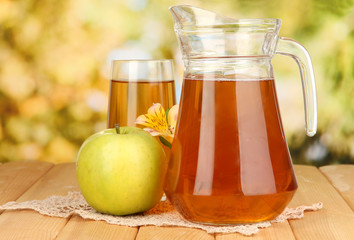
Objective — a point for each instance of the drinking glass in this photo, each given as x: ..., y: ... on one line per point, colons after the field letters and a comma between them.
x: 135, y: 85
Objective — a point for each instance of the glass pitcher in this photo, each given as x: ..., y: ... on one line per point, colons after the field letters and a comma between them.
x: 230, y: 161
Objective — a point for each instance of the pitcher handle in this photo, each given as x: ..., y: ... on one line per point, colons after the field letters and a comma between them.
x: 290, y: 47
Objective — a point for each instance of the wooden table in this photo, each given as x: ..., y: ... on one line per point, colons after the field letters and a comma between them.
x: 23, y: 181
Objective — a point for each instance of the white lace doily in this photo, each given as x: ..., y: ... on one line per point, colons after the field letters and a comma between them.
x: 163, y: 214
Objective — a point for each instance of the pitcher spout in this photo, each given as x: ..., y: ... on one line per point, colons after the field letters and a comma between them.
x: 202, y: 33
x: 189, y: 16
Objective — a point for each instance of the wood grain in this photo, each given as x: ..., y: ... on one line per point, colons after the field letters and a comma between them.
x: 281, y: 231
x: 17, y: 177
x: 334, y: 221
x: 172, y: 233
x: 60, y: 180
x: 27, y: 224
x: 78, y: 228
x: 27, y: 181
x: 342, y: 178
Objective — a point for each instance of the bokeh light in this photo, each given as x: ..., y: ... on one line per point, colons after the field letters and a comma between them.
x: 55, y: 62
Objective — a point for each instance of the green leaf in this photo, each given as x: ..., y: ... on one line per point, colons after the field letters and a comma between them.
x: 165, y: 142
x: 167, y: 111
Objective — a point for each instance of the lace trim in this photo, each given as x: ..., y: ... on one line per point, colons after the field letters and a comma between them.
x: 163, y: 214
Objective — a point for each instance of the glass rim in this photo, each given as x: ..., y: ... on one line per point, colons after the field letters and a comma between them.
x: 141, y: 70
x: 249, y: 24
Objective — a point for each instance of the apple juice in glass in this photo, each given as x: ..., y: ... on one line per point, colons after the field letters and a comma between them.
x: 137, y: 84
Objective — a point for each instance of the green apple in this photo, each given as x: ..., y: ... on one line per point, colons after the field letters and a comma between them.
x: 121, y: 171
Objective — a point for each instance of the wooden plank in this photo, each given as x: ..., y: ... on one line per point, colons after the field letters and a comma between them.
x: 334, y: 221
x: 28, y: 224
x: 279, y: 231
x: 172, y: 233
x: 78, y: 228
x: 342, y: 178
x: 17, y: 177
x: 60, y: 180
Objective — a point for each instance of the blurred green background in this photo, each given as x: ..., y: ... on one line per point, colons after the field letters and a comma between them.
x: 55, y: 62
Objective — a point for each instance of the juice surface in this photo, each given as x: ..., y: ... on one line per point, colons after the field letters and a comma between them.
x: 229, y: 161
x: 128, y: 99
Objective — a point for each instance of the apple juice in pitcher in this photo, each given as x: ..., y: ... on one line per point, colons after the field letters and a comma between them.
x: 229, y: 160
x: 231, y: 166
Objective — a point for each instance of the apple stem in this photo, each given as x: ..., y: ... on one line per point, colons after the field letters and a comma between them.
x: 117, y: 128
